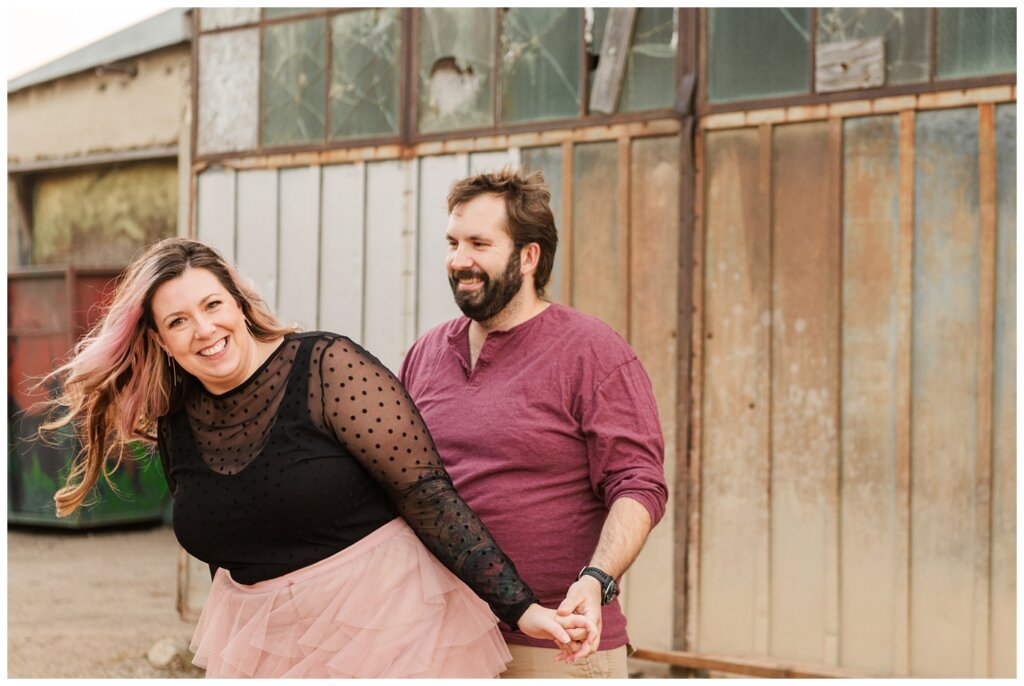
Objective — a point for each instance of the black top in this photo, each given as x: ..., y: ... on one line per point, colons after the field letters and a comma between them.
x: 317, y: 449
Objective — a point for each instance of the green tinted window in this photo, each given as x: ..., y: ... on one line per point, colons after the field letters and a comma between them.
x: 904, y: 30
x: 757, y: 53
x: 275, y: 12
x: 455, y: 58
x: 650, y: 79
x: 976, y: 41
x: 540, y: 63
x: 365, y: 73
x: 293, y: 105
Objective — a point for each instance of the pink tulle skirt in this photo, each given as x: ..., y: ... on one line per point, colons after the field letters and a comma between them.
x: 384, y: 607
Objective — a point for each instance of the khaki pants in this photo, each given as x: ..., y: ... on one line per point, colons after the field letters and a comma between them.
x: 539, y: 663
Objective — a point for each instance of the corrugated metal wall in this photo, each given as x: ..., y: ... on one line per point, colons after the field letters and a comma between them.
x: 856, y: 426
x: 359, y: 249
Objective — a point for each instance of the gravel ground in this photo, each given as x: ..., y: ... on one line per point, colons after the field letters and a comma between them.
x: 91, y: 604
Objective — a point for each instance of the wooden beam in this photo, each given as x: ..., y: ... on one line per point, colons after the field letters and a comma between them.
x: 624, y: 156
x: 763, y: 523
x: 568, y: 184
x: 611, y: 67
x: 766, y: 668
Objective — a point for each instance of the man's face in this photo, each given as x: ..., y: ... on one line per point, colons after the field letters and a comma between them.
x: 483, y: 263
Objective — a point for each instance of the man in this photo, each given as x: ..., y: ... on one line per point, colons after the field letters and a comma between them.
x: 543, y: 416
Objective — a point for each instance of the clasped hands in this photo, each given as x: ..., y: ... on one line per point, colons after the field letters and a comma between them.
x: 575, y: 627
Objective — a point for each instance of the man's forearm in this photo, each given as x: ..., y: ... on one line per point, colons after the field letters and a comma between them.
x: 622, y: 536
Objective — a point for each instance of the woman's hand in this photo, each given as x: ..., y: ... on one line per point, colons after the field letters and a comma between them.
x: 569, y: 633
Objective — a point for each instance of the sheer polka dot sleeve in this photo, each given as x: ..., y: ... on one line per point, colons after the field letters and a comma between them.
x: 371, y: 415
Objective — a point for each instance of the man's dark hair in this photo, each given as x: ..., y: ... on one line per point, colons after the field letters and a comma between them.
x: 527, y: 205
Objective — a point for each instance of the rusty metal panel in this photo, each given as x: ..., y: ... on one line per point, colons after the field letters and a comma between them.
x: 435, y: 303
x: 945, y: 383
x: 732, y: 601
x: 300, y: 246
x: 390, y: 267
x: 229, y: 91
x: 805, y: 355
x: 654, y: 241
x: 1004, y: 455
x: 600, y: 282
x: 215, y: 210
x: 102, y: 217
x: 482, y: 162
x: 548, y: 160
x: 871, y: 224
x: 257, y: 230
x: 341, y: 249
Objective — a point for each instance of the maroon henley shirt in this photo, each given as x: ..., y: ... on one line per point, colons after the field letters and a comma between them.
x: 556, y: 421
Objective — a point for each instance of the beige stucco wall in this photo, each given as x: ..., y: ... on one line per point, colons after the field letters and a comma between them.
x: 88, y: 114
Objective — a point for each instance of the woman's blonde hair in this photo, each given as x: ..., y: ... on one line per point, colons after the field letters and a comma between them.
x: 118, y: 381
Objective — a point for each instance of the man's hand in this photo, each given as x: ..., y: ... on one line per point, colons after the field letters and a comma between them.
x: 584, y: 598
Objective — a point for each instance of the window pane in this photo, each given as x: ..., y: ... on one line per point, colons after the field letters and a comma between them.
x: 456, y: 65
x: 905, y: 32
x: 365, y: 73
x: 976, y: 41
x: 757, y: 53
x: 293, y: 82
x: 275, y: 12
x: 650, y: 79
x: 540, y: 63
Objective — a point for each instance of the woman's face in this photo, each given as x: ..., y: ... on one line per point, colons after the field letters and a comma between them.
x: 201, y: 326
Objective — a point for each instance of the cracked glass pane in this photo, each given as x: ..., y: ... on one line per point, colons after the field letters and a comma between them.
x: 905, y: 31
x: 540, y: 63
x: 976, y: 41
x: 365, y: 76
x: 294, y: 57
x: 650, y: 79
x: 757, y: 53
x: 455, y: 64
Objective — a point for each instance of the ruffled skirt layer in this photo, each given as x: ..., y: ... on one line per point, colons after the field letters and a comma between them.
x: 384, y: 607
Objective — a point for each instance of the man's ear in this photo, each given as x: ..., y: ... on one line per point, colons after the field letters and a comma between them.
x: 529, y: 258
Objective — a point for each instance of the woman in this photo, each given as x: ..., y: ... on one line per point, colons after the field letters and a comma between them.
x: 302, y: 472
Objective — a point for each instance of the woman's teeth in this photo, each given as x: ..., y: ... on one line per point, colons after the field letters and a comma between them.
x: 214, y: 349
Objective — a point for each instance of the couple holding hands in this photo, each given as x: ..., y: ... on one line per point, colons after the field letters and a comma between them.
x: 345, y: 537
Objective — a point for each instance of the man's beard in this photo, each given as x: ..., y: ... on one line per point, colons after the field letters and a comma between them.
x: 493, y: 295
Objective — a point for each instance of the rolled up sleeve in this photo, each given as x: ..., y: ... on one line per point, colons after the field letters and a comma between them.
x: 625, y: 445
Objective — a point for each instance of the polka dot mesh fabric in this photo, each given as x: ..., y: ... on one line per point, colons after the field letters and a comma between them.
x: 318, y: 448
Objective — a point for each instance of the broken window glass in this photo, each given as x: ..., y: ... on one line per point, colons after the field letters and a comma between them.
x: 540, y: 63
x: 650, y: 76
x: 293, y: 104
x: 455, y: 65
x: 904, y: 30
x: 365, y: 75
x: 976, y: 41
x: 757, y: 53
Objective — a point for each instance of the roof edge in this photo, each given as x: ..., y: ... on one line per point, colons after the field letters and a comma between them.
x: 163, y: 30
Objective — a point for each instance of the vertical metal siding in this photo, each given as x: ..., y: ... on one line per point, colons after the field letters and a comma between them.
x: 299, y: 246
x: 256, y: 245
x: 434, y: 303
x: 342, y: 224
x: 215, y: 211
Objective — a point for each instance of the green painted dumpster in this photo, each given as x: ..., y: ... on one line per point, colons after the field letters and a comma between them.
x: 48, y: 310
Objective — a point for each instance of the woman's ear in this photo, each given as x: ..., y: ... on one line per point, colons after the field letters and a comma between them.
x: 155, y: 337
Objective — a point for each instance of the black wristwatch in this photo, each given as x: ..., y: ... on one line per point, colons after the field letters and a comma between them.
x: 608, y: 586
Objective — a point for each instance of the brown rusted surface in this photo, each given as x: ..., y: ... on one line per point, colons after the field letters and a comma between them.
x: 733, y: 517
x: 750, y: 666
x: 804, y: 393
x: 945, y: 392
x: 653, y: 333
x: 600, y: 283
x: 983, y: 411
x: 1004, y: 414
x: 565, y: 232
x: 869, y: 564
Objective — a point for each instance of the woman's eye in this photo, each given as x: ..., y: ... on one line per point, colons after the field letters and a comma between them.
x: 212, y: 304
x: 175, y: 322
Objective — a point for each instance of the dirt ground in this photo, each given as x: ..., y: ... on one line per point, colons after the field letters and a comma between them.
x: 91, y: 604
